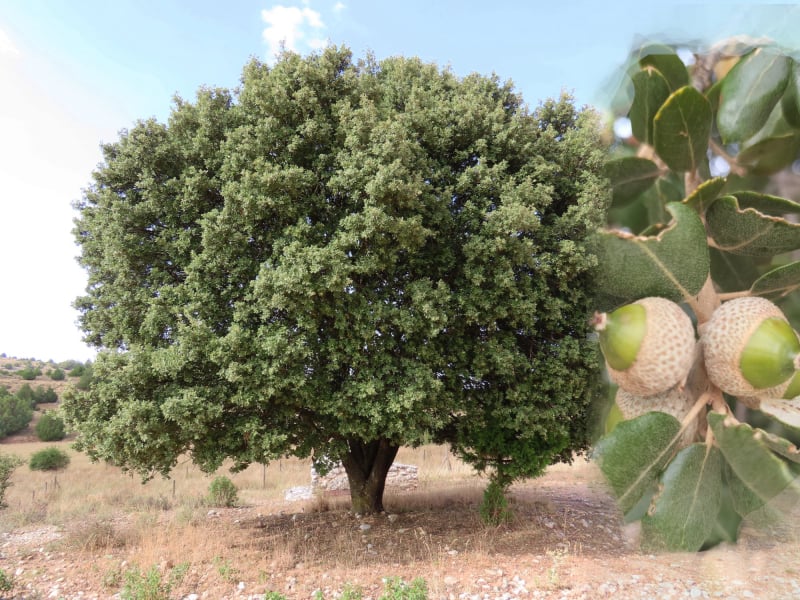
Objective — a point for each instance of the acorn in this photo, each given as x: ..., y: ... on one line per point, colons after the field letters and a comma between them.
x: 750, y: 349
x: 676, y: 401
x: 793, y: 391
x: 648, y: 345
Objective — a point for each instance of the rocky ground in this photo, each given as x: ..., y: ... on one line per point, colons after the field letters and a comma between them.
x: 566, y: 542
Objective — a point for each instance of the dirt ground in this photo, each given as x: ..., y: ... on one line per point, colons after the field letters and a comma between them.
x: 566, y: 541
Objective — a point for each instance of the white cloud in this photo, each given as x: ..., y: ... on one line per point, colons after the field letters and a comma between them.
x: 7, y: 47
x: 288, y: 27
x: 339, y: 7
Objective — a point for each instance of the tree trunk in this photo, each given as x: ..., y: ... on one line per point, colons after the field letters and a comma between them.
x: 366, y: 465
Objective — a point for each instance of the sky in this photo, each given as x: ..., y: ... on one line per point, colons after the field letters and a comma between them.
x: 73, y: 73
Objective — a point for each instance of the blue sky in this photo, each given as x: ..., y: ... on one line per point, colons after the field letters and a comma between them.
x: 75, y: 72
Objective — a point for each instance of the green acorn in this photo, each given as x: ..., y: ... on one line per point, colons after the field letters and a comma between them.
x: 750, y: 349
x: 648, y: 345
x: 793, y: 391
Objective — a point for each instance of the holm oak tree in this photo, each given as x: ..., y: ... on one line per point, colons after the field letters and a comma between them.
x: 337, y: 259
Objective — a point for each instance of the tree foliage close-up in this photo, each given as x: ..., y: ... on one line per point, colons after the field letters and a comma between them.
x: 706, y: 200
x: 338, y: 259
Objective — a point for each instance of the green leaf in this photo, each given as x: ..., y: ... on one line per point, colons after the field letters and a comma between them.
x: 633, y: 455
x: 705, y: 194
x: 744, y: 499
x: 726, y: 527
x: 767, y: 204
x: 685, y: 512
x: 629, y: 177
x: 790, y: 102
x: 681, y: 129
x: 748, y: 224
x: 778, y: 282
x: 772, y: 148
x: 750, y: 457
x: 668, y: 64
x: 732, y: 272
x: 749, y: 92
x: 673, y: 264
x: 770, y: 155
x: 786, y: 412
x: 651, y: 90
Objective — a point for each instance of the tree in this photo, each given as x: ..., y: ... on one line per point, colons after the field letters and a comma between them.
x: 340, y: 259
x: 692, y: 221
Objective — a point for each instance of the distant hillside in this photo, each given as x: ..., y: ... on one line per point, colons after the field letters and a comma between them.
x: 13, y: 373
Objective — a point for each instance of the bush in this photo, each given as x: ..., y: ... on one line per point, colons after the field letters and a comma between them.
x: 85, y: 381
x: 8, y: 462
x: 29, y: 373
x: 42, y: 395
x: 147, y: 585
x: 57, y: 375
x: 494, y: 509
x: 15, y: 413
x: 222, y: 492
x: 26, y: 394
x: 50, y: 428
x: 49, y: 459
x: 397, y: 589
x: 77, y: 370
x: 6, y: 581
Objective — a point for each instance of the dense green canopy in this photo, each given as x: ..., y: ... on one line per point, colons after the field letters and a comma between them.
x: 339, y: 259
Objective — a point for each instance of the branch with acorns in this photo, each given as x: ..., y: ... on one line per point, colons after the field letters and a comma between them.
x: 697, y: 281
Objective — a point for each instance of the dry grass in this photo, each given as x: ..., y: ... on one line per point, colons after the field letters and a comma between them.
x: 95, y: 515
x: 111, y: 519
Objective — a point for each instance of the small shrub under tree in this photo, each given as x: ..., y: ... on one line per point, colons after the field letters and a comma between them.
x: 49, y: 459
x: 494, y: 509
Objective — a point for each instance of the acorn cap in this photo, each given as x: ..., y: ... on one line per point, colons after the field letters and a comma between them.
x: 658, y: 335
x: 750, y: 349
x: 676, y: 401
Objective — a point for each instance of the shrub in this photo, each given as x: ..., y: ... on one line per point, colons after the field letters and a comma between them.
x: 49, y: 459
x: 85, y: 381
x: 145, y: 585
x: 42, y: 395
x: 397, y: 589
x: 6, y: 581
x: 8, y: 462
x: 50, y: 428
x: 26, y: 393
x: 494, y: 509
x: 15, y: 413
x: 57, y: 375
x: 222, y: 492
x: 29, y: 373
x: 77, y: 370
